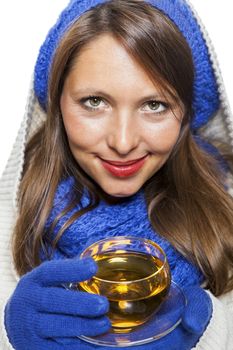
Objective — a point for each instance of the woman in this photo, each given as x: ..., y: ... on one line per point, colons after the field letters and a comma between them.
x: 127, y: 130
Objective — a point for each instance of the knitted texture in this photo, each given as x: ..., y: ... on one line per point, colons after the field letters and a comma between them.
x: 218, y: 335
x: 40, y: 315
x: 128, y: 218
x: 206, y: 97
x: 194, y: 321
x: 42, y: 68
x: 52, y: 316
x: 45, y: 312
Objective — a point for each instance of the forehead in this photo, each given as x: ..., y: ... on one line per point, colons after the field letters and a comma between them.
x: 106, y: 62
x: 105, y: 65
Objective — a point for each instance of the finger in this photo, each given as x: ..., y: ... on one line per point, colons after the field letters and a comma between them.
x: 57, y: 272
x: 52, y: 326
x: 66, y: 343
x: 69, y: 302
x: 74, y: 344
x: 198, y: 310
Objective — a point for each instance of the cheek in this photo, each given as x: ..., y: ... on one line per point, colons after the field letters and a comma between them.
x: 163, y: 138
x: 82, y: 133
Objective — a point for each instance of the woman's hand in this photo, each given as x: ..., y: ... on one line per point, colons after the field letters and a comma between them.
x: 194, y: 321
x: 41, y: 311
x: 184, y: 337
x: 43, y: 315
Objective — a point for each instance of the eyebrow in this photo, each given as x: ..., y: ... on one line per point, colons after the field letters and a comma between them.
x: 93, y: 92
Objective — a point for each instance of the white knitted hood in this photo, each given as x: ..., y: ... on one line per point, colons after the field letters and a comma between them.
x: 219, y: 127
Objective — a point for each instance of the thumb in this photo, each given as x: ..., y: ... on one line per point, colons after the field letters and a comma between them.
x: 198, y: 310
x: 57, y: 272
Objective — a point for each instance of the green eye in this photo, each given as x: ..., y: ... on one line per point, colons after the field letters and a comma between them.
x: 154, y: 105
x: 94, y: 101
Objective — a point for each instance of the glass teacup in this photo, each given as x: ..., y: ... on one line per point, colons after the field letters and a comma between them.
x: 133, y: 273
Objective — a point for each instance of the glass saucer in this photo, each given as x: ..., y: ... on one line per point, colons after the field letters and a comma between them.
x: 163, y: 322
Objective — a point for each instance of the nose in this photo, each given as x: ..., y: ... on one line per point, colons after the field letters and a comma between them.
x: 123, y: 136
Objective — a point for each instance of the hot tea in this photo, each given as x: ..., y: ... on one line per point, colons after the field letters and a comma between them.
x: 135, y: 284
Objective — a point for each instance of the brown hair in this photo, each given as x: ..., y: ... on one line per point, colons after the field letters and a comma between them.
x: 186, y: 199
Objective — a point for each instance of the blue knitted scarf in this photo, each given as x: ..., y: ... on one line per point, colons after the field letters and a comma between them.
x: 127, y: 218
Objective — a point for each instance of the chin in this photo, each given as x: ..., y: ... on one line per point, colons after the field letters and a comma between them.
x: 121, y: 193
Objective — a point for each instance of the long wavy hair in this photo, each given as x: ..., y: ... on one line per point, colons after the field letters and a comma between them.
x: 187, y: 201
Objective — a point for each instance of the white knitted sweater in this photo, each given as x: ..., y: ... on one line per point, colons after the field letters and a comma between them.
x: 219, y: 333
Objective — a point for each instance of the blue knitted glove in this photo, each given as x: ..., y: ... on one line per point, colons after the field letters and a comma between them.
x: 41, y: 311
x: 184, y: 337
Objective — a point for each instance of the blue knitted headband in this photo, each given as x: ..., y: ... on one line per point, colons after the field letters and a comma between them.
x: 206, y: 98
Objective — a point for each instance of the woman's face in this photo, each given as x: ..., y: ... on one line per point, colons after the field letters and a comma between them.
x: 120, y: 128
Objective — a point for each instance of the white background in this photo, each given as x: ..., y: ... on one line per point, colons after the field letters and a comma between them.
x: 23, y: 27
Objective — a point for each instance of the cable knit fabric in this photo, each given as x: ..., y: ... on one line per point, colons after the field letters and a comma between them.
x: 213, y: 118
x: 206, y: 97
x: 129, y: 218
x: 27, y: 312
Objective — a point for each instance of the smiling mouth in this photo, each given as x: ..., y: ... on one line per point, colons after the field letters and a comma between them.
x: 120, y: 163
x: 124, y: 169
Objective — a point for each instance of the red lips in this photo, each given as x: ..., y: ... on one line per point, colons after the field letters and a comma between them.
x: 123, y: 169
